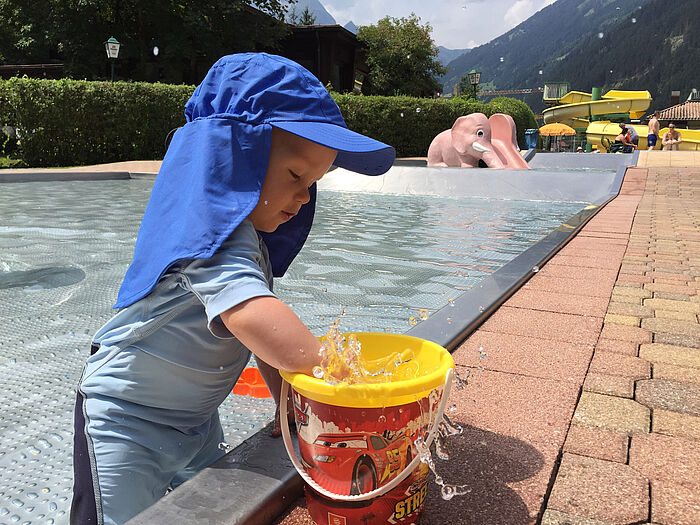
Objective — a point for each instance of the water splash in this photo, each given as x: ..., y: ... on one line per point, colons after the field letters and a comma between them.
x: 462, y: 381
x: 447, y: 491
x: 342, y: 362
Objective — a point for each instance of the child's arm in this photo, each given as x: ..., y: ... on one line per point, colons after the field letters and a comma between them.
x: 278, y: 338
x: 274, y: 333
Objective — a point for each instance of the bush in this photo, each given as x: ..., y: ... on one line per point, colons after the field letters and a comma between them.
x: 76, y: 122
x: 522, y: 114
x: 407, y: 123
x: 73, y: 122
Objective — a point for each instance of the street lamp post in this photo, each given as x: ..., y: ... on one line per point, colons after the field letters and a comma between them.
x: 112, y: 48
x: 474, y: 77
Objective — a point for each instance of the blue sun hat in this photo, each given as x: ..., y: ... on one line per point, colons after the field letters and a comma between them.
x: 213, y: 171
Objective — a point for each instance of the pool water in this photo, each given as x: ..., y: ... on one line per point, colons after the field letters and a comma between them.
x: 65, y: 247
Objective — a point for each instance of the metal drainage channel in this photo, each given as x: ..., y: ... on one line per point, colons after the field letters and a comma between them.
x: 256, y: 482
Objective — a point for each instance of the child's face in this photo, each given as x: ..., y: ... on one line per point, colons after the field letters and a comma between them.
x: 295, y: 164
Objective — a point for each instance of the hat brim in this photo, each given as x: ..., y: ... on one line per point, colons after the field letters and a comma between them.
x: 356, y: 152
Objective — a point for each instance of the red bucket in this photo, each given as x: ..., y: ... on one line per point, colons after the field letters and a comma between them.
x: 357, y: 441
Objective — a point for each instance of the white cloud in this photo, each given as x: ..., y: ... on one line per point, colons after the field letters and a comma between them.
x: 456, y: 25
x: 522, y: 10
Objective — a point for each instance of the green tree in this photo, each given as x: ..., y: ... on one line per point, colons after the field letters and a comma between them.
x: 465, y: 89
x: 307, y: 17
x: 190, y: 34
x: 402, y: 57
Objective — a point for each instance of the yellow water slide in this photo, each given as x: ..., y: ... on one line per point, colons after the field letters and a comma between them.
x: 576, y: 107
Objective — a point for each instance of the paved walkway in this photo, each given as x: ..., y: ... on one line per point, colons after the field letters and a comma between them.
x: 586, y: 408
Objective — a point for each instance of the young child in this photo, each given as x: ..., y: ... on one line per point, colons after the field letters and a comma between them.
x: 231, y: 207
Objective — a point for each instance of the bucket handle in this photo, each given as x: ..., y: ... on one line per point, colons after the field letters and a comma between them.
x: 287, y: 438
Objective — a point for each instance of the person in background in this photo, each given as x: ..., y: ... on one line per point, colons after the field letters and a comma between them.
x: 671, y: 139
x: 579, y: 150
x: 653, y: 131
x: 633, y: 136
x: 622, y: 142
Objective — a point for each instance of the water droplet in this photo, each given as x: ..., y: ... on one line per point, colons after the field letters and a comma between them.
x: 535, y: 269
x: 401, y: 115
x: 17, y: 502
x: 634, y: 20
x: 501, y: 59
x: 423, y: 314
x: 412, y: 321
x: 449, y: 320
x: 32, y: 495
x: 600, y: 35
x: 417, y: 110
x: 4, y: 511
x: 225, y: 446
x: 447, y: 492
x: 453, y: 408
x: 265, y: 203
x: 318, y: 372
x: 451, y: 302
x: 540, y: 71
x: 382, y: 418
x: 481, y: 308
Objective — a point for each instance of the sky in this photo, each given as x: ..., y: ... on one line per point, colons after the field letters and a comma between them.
x: 457, y: 24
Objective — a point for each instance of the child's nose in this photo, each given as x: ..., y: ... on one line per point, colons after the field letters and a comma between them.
x: 303, y: 195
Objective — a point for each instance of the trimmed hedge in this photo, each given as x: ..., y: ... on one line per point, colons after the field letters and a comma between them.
x: 76, y: 122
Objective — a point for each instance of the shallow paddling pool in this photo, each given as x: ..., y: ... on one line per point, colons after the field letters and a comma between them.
x: 387, y: 260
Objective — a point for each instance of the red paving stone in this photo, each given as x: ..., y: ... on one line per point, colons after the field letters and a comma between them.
x: 613, y: 364
x: 630, y: 334
x: 517, y: 354
x: 617, y: 347
x: 564, y: 303
x: 600, y: 490
x: 547, y: 325
x: 591, y: 288
x: 596, y: 443
x: 552, y: 269
x: 675, y: 504
x: 589, y: 261
x: 666, y: 458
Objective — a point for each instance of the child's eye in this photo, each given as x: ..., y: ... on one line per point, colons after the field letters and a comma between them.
x: 294, y: 175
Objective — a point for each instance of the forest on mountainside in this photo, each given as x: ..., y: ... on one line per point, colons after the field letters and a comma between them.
x: 647, y: 44
x: 660, y: 52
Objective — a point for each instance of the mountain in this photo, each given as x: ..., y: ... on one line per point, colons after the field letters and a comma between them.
x: 656, y: 48
x: 350, y: 26
x: 445, y: 56
x: 316, y: 8
x: 540, y: 43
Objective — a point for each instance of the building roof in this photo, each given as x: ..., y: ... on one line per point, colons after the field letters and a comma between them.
x: 686, y: 111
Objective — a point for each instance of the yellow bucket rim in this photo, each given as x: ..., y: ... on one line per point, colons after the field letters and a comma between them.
x: 383, y: 394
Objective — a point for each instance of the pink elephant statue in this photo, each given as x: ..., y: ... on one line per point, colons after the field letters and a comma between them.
x: 475, y: 138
